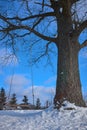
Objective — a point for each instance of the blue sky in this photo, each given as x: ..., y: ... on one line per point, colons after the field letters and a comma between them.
x: 43, y: 80
x: 44, y: 77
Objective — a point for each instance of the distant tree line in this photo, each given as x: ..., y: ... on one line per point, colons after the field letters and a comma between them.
x: 2, y: 98
x: 12, y: 102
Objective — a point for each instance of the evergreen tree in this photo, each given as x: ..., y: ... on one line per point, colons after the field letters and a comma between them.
x: 13, y: 99
x: 25, y: 100
x: 38, y: 104
x: 2, y: 98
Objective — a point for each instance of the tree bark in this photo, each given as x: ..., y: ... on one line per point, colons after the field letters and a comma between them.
x: 68, y: 85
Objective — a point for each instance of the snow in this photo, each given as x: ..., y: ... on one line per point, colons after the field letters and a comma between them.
x: 48, y: 119
x: 61, y: 10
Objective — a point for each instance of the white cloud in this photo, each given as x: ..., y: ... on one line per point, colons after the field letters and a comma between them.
x: 17, y: 83
x: 42, y: 92
x: 22, y: 86
x: 17, y: 80
x: 50, y: 80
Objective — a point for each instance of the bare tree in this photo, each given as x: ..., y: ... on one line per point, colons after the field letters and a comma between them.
x: 51, y: 21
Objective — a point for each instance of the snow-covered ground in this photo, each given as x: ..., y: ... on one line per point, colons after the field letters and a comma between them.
x: 49, y: 119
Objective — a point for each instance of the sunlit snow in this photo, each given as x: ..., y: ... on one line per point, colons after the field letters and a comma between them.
x: 49, y: 119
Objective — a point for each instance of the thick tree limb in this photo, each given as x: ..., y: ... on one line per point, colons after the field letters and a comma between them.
x: 81, y: 27
x: 84, y: 44
x: 31, y: 17
x: 14, y: 27
x: 55, y: 4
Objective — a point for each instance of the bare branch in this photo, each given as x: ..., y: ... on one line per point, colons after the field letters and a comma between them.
x: 5, y: 19
x: 37, y: 22
x: 14, y: 27
x: 22, y: 35
x: 28, y: 7
x: 36, y: 41
x: 81, y: 27
x: 31, y: 17
x: 12, y: 39
x: 41, y: 4
x: 43, y: 54
x: 84, y: 44
x: 3, y: 36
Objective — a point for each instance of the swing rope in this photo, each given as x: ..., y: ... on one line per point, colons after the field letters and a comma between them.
x: 10, y: 88
x: 32, y: 84
x: 31, y: 72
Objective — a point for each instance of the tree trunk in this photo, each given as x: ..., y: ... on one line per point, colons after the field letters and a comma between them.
x: 68, y: 84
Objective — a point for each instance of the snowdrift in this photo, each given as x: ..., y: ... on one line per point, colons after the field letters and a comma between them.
x: 49, y: 119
